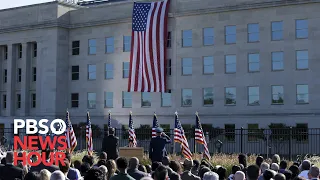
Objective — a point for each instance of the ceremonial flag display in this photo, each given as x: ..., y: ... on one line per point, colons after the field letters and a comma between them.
x: 109, y: 120
x: 155, y: 125
x: 148, y: 47
x: 70, y: 135
x: 200, y: 137
x: 89, y: 135
x: 180, y: 137
x: 132, y: 134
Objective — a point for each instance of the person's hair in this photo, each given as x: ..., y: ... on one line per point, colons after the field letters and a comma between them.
x: 264, y: 166
x: 84, y: 168
x: 221, y: 171
x: 234, y: 169
x: 103, y: 155
x: 64, y: 168
x: 175, y: 166
x: 253, y: 172
x: 202, y: 171
x: 196, y: 164
x: 155, y: 165
x: 122, y: 163
x: 104, y: 169
x: 174, y: 176
x: 133, y: 163
x: 288, y: 174
x: 102, y: 162
x: 276, y: 159
x: 77, y: 164
x: 314, y: 172
x: 112, y: 167
x: 238, y: 175
x: 210, y: 176
x: 68, y: 156
x: 57, y: 175
x: 242, y: 159
x: 111, y: 131
x: 90, y: 160
x: 9, y: 157
x: 32, y: 176
x: 259, y: 161
x: 275, y: 167
x: 268, y: 174
x: 3, y: 161
x: 295, y: 171
x: 142, y: 168
x: 279, y: 176
x: 306, y: 164
x: 166, y: 161
x: 148, y: 168
x: 161, y: 173
x: 94, y: 174
x: 283, y: 164
x: 45, y: 174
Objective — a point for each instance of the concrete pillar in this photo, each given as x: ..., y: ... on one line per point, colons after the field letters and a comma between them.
x: 41, y: 54
x: 11, y: 78
x: 26, y: 80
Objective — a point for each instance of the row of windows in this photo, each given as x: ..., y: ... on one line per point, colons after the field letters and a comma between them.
x: 19, y: 75
x: 277, y: 97
x: 18, y: 101
x: 19, y: 49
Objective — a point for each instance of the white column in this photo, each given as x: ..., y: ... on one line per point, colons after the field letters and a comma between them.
x: 11, y: 78
x: 25, y: 80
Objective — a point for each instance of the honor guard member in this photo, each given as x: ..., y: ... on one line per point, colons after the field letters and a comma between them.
x: 157, y: 148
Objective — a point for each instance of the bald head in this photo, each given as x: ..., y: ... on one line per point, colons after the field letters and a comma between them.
x: 313, y: 172
x: 9, y: 157
x: 239, y: 175
x: 133, y: 163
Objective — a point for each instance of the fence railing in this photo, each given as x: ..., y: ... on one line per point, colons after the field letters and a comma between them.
x: 288, y: 142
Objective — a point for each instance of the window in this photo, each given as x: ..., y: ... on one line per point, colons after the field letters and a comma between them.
x: 169, y: 40
x: 74, y: 72
x: 125, y: 73
x: 166, y: 99
x: 75, y: 100
x: 145, y: 99
x: 302, y: 94
x: 302, y: 57
x: 108, y: 99
x: 301, y: 29
x: 253, y: 33
x: 207, y: 96
x: 92, y: 72
x: 126, y: 99
x: 230, y: 132
x: 186, y: 97
x: 92, y: 98
x: 20, y: 51
x: 208, y: 67
x: 253, y: 96
x: 186, y: 38
x: 277, y: 61
x: 92, y: 46
x: 34, y: 74
x: 186, y: 66
x: 19, y: 75
x: 253, y: 132
x: 5, y: 74
x: 33, y: 100
x: 254, y: 62
x: 230, y: 34
x: 18, y: 101
x: 76, y: 47
x: 109, y: 71
x: 277, y: 95
x: 4, y: 101
x: 110, y: 45
x: 169, y: 67
x: 35, y: 49
x: 126, y: 43
x: 277, y: 30
x: 5, y: 48
x: 230, y: 96
x: 231, y: 63
x: 208, y: 36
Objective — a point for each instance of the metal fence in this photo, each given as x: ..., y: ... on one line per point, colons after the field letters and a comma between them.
x: 287, y: 142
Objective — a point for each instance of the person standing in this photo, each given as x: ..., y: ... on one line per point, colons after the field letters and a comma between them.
x: 157, y: 148
x: 110, y: 145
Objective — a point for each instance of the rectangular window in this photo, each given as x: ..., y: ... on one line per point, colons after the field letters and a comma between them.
x: 208, y: 36
x: 186, y: 97
x: 230, y: 64
x: 126, y: 43
x: 277, y: 95
x: 277, y: 61
x: 75, y: 100
x: 33, y: 100
x: 92, y: 72
x: 230, y: 132
x: 254, y: 62
x: 302, y: 57
x: 34, y: 74
x: 126, y: 99
x: 145, y: 99
x: 5, y: 75
x: 20, y: 51
x: 253, y: 96
x: 18, y: 101
x: 19, y: 72
x: 92, y: 49
x: 208, y: 65
x: 166, y: 99
x: 302, y: 94
x: 169, y: 40
x: 75, y: 72
x: 110, y: 45
x: 76, y: 47
x: 230, y: 96
x: 186, y: 66
x: 109, y: 71
x: 302, y: 29
x: 35, y: 50
x: 277, y: 30
x: 169, y: 67
x: 230, y: 34
x: 187, y: 38
x: 253, y: 32
x: 108, y: 99
x: 125, y: 69
x: 253, y: 132
x: 5, y: 49
x: 92, y: 100
x: 4, y: 101
x: 207, y: 96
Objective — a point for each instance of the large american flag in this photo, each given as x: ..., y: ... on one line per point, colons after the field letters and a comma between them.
x: 200, y: 137
x: 155, y: 125
x: 148, y: 47
x: 89, y: 135
x: 179, y: 137
x: 132, y: 134
x: 109, y: 120
x: 70, y: 135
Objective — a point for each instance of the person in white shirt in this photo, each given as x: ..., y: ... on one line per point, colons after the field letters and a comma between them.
x: 305, y: 167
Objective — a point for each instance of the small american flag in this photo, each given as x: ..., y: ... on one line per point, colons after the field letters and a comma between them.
x: 179, y: 137
x: 70, y: 135
x: 155, y: 125
x: 89, y: 135
x: 200, y: 137
x: 109, y: 120
x: 132, y: 134
x: 148, y: 43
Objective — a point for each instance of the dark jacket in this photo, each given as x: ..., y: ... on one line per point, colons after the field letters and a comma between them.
x: 157, y: 148
x: 10, y: 172
x: 136, y: 174
x: 187, y: 175
x: 41, y: 166
x: 110, y: 146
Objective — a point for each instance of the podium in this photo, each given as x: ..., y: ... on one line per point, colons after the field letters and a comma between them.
x: 129, y: 152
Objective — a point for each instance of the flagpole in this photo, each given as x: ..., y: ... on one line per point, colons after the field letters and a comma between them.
x: 174, y: 142
x: 194, y: 137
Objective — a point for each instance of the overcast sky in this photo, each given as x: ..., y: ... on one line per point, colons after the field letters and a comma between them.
x: 16, y: 3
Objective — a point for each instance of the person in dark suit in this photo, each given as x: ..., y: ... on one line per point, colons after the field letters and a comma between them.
x: 9, y: 171
x: 133, y: 169
x: 157, y: 148
x: 110, y: 145
x: 41, y: 166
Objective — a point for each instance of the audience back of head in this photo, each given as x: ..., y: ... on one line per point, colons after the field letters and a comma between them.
x: 161, y: 173
x: 253, y: 172
x: 210, y: 176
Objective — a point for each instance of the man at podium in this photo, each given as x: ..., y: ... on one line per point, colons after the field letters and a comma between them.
x: 157, y: 148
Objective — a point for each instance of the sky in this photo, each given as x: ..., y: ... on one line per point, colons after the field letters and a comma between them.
x: 16, y: 3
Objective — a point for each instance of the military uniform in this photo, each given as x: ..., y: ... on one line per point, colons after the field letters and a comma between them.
x: 157, y: 148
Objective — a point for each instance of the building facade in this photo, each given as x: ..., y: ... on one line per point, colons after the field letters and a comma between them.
x: 243, y: 63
